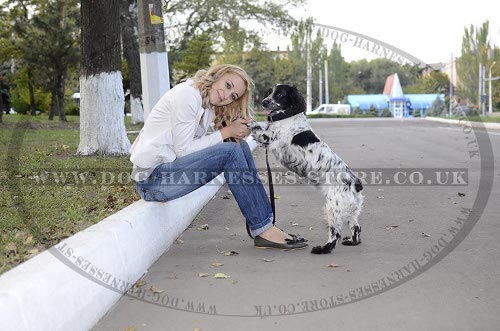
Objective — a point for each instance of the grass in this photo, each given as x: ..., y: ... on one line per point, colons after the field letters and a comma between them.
x: 41, y: 200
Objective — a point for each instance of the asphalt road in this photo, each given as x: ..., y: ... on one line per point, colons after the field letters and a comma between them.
x: 427, y: 262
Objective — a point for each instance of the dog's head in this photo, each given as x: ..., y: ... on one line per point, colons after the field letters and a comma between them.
x: 283, y: 100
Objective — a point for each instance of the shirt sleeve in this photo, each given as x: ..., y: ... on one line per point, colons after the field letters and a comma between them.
x: 186, y: 105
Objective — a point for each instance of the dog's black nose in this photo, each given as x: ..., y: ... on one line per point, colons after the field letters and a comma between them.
x: 265, y: 102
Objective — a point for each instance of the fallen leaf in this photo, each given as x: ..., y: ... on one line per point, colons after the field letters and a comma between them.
x: 139, y: 283
x: 197, y: 329
x: 155, y: 290
x: 225, y: 197
x: 221, y: 275
x: 217, y: 264
x: 130, y: 328
x: 267, y: 260
x: 425, y: 234
x: 203, y: 275
x: 33, y: 252
x: 333, y: 265
x: 11, y: 247
x: 391, y: 227
x: 203, y: 227
x: 228, y: 253
x: 460, y: 194
x: 179, y: 241
x: 234, y: 282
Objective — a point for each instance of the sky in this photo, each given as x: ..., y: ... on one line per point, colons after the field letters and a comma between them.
x: 430, y: 30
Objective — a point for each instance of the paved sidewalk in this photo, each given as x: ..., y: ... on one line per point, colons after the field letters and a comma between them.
x: 382, y: 284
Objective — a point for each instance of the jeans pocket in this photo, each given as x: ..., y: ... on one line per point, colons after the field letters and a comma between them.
x: 153, y: 195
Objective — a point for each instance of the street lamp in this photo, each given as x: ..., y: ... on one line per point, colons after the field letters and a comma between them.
x: 491, y: 103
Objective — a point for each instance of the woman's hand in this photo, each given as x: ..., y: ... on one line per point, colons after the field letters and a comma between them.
x: 237, y: 129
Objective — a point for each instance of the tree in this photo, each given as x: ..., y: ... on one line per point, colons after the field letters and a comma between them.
x: 435, y: 82
x: 475, y: 47
x: 130, y: 45
x: 211, y: 17
x: 102, y: 127
x: 337, y: 74
x: 259, y: 65
x: 437, y: 108
x: 234, y: 42
x: 194, y: 57
x: 370, y: 76
x: 50, y: 46
x: 18, y: 14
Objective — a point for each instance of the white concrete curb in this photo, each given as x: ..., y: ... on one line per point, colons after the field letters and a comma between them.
x: 73, y: 284
x: 473, y: 124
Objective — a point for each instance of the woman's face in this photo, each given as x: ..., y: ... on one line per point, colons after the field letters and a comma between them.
x: 226, y: 89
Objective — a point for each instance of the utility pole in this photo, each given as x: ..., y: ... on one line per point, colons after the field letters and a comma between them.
x: 308, y: 70
x: 320, y: 86
x: 451, y: 85
x: 327, y: 92
x: 483, y: 95
x: 153, y: 54
x: 490, y: 110
x: 480, y: 89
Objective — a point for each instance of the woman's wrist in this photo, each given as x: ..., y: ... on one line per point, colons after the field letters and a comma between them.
x: 225, y: 133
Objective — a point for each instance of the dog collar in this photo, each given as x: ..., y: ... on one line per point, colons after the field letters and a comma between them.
x: 279, y: 117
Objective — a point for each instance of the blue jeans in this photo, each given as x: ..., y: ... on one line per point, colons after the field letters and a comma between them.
x: 185, y: 174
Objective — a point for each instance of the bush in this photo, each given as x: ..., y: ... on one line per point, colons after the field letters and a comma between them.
x: 437, y: 108
x: 356, y: 111
x: 416, y: 112
x: 73, y: 109
x: 386, y: 113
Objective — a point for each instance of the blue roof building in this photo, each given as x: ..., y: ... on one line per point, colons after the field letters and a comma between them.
x: 399, y: 104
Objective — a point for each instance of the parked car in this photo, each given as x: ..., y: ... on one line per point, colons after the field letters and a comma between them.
x: 333, y: 108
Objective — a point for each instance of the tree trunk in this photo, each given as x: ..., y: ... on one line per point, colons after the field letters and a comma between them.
x: 60, y: 95
x: 130, y: 43
x: 1, y: 101
x: 102, y: 125
x: 32, y: 93
x: 53, y: 104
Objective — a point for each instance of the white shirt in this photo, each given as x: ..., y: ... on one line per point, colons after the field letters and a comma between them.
x: 174, y: 128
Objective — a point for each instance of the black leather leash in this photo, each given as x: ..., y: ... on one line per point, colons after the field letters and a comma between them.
x: 269, y: 176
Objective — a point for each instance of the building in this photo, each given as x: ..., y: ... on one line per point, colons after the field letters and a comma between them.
x: 392, y: 98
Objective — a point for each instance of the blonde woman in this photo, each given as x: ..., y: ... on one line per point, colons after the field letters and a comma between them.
x: 173, y: 155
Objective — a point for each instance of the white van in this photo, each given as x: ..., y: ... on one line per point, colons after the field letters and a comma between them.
x: 333, y: 108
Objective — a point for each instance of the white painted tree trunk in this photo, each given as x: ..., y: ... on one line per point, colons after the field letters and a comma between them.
x: 136, y: 110
x: 102, y: 123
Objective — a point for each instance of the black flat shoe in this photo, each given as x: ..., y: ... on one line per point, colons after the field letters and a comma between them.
x: 260, y: 242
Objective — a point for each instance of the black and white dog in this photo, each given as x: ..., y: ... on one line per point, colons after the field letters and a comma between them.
x: 289, y: 136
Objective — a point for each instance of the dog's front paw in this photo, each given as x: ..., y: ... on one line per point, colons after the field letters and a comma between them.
x: 321, y: 249
x: 254, y: 126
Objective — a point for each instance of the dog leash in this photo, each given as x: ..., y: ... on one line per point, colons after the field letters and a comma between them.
x: 269, y: 176
x: 271, y: 187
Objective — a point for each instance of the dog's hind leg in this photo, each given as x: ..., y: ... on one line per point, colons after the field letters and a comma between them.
x: 334, y: 227
x: 352, y: 223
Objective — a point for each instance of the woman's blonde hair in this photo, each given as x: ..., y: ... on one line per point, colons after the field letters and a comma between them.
x: 240, y: 108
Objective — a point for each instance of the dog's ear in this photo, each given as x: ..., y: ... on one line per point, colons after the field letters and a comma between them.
x: 298, y: 101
